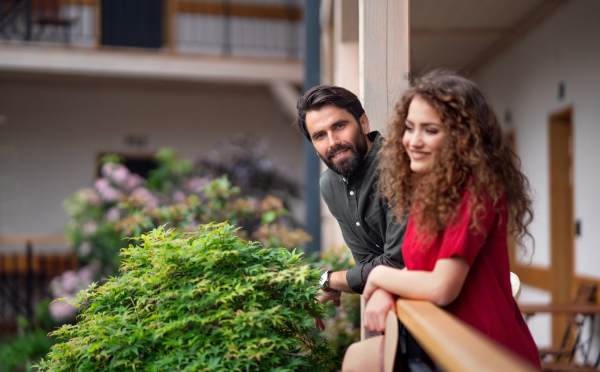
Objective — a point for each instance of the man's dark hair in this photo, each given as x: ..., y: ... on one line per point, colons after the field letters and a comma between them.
x: 322, y: 95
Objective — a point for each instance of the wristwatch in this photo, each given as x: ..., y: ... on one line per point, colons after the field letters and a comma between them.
x: 324, y: 282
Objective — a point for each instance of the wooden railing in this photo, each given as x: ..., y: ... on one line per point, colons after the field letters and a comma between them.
x: 48, y: 263
x: 25, y: 273
x: 453, y: 345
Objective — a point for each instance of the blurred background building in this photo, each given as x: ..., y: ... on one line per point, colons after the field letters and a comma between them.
x: 82, y: 78
x: 85, y: 78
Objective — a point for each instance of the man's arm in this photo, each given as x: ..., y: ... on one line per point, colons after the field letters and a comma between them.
x: 337, y: 281
x: 391, y: 256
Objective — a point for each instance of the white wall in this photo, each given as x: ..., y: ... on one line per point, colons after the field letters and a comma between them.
x: 55, y: 127
x: 524, y: 79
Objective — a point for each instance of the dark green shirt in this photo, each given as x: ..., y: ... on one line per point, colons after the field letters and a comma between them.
x: 365, y: 219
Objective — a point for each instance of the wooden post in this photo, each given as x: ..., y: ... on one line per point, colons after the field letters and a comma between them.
x: 170, y: 22
x: 384, y: 61
x: 384, y: 57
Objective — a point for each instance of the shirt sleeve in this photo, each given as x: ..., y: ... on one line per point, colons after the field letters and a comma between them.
x: 460, y: 239
x: 392, y: 255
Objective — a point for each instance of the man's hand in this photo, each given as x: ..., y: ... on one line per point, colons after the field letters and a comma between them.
x: 380, y: 303
x: 324, y: 297
x: 319, y: 324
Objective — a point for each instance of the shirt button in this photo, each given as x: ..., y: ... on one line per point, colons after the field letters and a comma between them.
x: 358, y: 224
x: 351, y: 192
x: 344, y: 178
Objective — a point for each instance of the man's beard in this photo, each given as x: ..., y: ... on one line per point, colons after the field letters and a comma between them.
x: 347, y: 165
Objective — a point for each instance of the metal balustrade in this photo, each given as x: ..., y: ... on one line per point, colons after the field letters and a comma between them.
x: 25, y: 276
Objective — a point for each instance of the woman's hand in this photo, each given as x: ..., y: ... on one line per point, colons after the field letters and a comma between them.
x: 377, y: 308
x: 372, y: 281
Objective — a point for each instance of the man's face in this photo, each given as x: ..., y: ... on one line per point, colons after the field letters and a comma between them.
x: 340, y: 141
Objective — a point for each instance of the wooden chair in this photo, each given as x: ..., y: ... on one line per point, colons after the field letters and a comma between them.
x: 561, y: 357
x: 47, y: 14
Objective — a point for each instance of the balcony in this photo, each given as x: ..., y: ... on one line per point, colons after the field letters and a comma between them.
x: 231, y: 41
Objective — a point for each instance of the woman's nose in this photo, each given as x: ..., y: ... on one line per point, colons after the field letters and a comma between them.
x: 416, y: 139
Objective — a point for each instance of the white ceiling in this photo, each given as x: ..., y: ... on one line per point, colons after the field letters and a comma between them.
x: 464, y: 34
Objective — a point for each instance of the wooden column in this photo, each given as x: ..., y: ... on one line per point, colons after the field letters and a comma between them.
x: 384, y: 61
x: 384, y: 56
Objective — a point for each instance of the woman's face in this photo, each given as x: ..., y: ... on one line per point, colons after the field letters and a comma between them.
x: 424, y: 135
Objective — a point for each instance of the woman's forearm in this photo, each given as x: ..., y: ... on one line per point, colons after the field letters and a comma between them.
x: 440, y: 286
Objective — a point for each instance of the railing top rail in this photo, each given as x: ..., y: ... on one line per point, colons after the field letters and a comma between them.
x: 452, y: 344
x: 17, y: 240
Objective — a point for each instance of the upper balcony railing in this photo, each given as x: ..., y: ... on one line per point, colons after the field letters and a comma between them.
x: 270, y: 28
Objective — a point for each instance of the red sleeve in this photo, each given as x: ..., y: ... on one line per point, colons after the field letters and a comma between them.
x: 459, y: 239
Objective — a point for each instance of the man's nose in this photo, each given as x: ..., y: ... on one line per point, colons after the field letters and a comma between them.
x: 333, y: 140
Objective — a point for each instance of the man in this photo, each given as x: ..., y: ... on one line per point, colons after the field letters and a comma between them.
x: 334, y: 121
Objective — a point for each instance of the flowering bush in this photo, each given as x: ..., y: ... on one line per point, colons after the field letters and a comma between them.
x: 122, y: 205
x: 65, y: 287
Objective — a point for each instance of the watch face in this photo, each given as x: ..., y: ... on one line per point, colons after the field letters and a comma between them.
x: 323, y: 279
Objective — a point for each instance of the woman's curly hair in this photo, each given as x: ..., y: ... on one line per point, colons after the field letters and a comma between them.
x: 474, y: 156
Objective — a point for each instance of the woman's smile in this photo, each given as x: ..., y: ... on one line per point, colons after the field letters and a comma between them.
x: 423, y: 136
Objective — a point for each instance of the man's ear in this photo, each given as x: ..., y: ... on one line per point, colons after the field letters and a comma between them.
x: 364, y: 124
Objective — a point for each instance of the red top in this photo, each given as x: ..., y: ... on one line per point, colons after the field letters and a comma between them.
x: 485, y: 301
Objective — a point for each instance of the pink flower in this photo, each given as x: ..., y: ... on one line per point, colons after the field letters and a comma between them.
x: 133, y: 181
x: 107, y: 169
x: 90, y: 196
x: 61, y: 310
x: 120, y: 175
x: 85, y: 249
x: 66, y: 283
x: 178, y: 196
x: 195, y: 184
x: 90, y: 228
x: 100, y: 184
x: 112, y: 214
x: 143, y: 197
x: 109, y: 194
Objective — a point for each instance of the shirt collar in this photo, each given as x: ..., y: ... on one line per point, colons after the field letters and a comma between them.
x: 376, y: 138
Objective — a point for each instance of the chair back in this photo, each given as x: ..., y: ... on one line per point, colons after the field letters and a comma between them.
x: 586, y: 293
x: 515, y: 285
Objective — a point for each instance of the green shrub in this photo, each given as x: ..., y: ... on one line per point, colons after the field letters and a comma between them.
x: 20, y: 352
x: 198, y: 301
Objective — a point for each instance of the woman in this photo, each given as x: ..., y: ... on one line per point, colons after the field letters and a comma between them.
x: 447, y: 167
